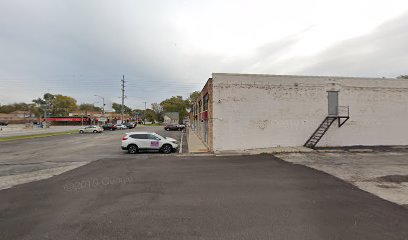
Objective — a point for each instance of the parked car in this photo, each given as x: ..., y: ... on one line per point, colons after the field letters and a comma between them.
x: 120, y: 126
x: 135, y: 141
x: 177, y: 127
x: 91, y: 129
x: 109, y: 126
x: 130, y: 125
x: 3, y: 123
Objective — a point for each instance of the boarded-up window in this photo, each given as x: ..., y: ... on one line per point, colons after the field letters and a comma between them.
x: 205, y: 107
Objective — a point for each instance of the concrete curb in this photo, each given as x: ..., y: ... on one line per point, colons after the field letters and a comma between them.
x: 181, y: 143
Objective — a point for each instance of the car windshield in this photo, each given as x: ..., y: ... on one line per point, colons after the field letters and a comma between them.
x: 157, y: 135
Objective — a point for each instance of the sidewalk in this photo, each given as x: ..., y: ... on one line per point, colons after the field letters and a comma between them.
x: 20, y: 130
x: 195, y: 145
x: 271, y: 150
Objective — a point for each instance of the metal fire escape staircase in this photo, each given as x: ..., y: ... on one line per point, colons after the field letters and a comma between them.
x: 343, y: 114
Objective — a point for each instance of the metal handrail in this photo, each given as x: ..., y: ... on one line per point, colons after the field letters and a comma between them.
x: 343, y: 111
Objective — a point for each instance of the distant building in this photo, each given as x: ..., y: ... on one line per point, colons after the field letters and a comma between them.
x: 98, y: 117
x: 171, y: 117
x: 23, y: 114
x: 249, y: 111
x: 17, y: 117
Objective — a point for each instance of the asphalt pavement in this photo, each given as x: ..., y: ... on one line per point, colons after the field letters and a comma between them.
x: 156, y: 196
x: 33, y: 159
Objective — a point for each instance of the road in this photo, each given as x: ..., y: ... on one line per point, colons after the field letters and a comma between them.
x: 33, y: 159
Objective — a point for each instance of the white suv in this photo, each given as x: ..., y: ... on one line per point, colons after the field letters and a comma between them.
x: 135, y: 141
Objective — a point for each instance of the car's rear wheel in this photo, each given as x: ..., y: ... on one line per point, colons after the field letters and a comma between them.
x: 80, y: 131
x: 94, y: 131
x: 166, y: 148
x: 132, y: 149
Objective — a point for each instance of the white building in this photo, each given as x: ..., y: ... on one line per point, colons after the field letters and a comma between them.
x: 171, y: 117
x: 249, y: 111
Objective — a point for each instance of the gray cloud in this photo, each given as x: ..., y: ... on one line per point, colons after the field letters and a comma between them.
x: 82, y: 48
x: 380, y: 53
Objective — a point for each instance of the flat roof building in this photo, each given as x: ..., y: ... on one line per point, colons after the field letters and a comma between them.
x: 250, y: 111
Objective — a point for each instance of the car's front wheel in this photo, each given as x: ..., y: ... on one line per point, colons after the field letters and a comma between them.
x: 166, y: 148
x: 132, y: 149
x: 95, y: 131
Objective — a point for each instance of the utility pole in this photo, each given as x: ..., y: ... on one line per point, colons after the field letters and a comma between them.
x: 123, y: 96
x: 45, y: 117
x: 45, y: 109
x: 145, y: 113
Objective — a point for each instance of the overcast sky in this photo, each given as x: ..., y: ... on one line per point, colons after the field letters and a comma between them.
x: 165, y: 48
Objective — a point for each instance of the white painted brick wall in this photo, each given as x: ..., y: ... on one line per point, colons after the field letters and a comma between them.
x: 260, y: 111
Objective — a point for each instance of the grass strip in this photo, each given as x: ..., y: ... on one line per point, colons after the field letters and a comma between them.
x: 40, y: 135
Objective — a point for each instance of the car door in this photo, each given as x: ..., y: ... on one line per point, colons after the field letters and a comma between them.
x: 153, y: 141
x: 87, y: 129
x: 140, y: 140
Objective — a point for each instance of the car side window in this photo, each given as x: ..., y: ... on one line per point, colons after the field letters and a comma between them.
x: 139, y: 136
x: 152, y: 137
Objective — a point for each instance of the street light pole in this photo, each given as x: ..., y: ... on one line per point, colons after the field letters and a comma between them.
x: 103, y: 104
x: 145, y: 113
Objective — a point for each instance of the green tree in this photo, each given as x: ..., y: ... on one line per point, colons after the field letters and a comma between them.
x: 176, y: 104
x: 193, y: 97
x: 28, y: 107
x: 89, y: 107
x: 56, y: 105
x: 158, y: 110
x: 403, y: 77
x: 15, y: 107
x: 63, y: 105
x: 151, y: 116
x: 118, y: 108
x: 45, y: 104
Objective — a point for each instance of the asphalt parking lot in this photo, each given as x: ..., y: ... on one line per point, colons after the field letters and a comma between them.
x: 33, y: 159
x: 183, y: 197
x: 382, y: 171
x: 109, y: 194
